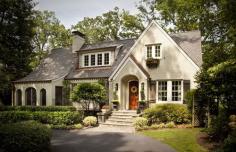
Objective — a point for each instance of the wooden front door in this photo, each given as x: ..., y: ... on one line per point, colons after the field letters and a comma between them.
x: 133, y: 95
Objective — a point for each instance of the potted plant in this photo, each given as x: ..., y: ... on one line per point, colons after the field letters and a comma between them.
x: 105, y: 108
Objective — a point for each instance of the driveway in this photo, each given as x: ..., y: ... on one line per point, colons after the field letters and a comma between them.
x: 87, y: 141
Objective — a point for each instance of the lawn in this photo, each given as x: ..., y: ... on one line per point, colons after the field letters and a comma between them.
x: 182, y: 140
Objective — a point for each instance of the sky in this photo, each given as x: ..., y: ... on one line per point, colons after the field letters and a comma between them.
x: 69, y: 12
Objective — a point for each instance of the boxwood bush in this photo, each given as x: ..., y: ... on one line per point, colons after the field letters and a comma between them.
x: 25, y: 136
x: 37, y: 108
x: 164, y: 113
x: 54, y: 118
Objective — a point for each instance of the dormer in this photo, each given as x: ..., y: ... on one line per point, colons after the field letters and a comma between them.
x: 99, y: 57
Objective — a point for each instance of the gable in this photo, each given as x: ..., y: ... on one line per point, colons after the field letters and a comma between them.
x: 155, y: 34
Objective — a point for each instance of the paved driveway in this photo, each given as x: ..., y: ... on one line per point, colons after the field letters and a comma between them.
x: 86, y: 141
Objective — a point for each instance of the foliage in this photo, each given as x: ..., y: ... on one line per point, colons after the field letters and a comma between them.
x: 25, y: 136
x: 229, y: 144
x: 16, y: 34
x: 90, y: 121
x: 54, y: 118
x: 37, y: 108
x: 112, y: 25
x: 179, y: 139
x: 219, y: 128
x: 170, y: 125
x: 49, y: 34
x: 78, y: 126
x: 89, y: 93
x: 163, y: 113
x: 140, y: 122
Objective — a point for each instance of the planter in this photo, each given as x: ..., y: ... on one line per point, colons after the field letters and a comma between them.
x: 152, y: 63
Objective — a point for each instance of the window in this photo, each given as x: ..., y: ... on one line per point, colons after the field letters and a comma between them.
x: 43, y: 97
x: 92, y: 60
x: 30, y: 96
x: 86, y: 60
x: 18, y: 97
x: 176, y: 90
x: 157, y: 51
x: 106, y: 58
x: 154, y: 51
x: 149, y: 51
x: 162, y: 90
x: 99, y: 58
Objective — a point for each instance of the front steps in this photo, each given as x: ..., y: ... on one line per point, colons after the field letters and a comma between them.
x: 121, y: 118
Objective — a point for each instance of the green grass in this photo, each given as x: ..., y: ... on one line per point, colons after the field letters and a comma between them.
x: 182, y: 140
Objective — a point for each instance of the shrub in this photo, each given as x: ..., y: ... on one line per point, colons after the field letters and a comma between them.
x: 170, y: 125
x: 37, y: 108
x: 90, y: 121
x: 164, y: 113
x: 232, y: 118
x: 229, y: 144
x: 54, y: 118
x: 78, y: 126
x: 25, y: 136
x: 140, y: 122
x: 219, y: 128
x: 15, y: 116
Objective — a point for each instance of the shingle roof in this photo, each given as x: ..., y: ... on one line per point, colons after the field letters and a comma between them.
x: 54, y: 66
x: 61, y: 61
x: 190, y: 42
x: 123, y: 47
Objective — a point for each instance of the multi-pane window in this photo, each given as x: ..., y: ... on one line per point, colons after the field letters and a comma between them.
x: 157, y: 50
x: 92, y: 60
x: 176, y: 90
x: 86, y: 60
x: 106, y: 58
x: 162, y: 90
x: 154, y: 51
x: 99, y: 59
x: 149, y: 51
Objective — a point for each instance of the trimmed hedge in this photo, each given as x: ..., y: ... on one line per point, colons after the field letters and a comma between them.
x: 164, y: 113
x: 54, y: 118
x: 37, y: 108
x: 25, y: 136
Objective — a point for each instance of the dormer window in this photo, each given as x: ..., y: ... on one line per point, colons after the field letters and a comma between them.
x: 92, y: 60
x: 99, y: 59
x: 154, y: 51
x: 96, y: 59
x: 106, y: 58
x: 86, y: 60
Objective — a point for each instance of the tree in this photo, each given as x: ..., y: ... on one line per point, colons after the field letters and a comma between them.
x: 113, y: 25
x: 49, y: 34
x: 16, y: 34
x: 88, y: 94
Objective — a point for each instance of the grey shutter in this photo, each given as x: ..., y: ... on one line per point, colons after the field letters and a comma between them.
x: 186, y: 86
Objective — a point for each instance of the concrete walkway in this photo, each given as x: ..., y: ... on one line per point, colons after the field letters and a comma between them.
x: 92, y: 141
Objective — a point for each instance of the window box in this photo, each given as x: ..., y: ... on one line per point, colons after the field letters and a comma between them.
x: 152, y: 62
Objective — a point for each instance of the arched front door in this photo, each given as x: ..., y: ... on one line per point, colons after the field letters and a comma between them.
x: 133, y: 95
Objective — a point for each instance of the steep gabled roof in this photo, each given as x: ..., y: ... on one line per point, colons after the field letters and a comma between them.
x: 54, y: 66
x: 190, y: 42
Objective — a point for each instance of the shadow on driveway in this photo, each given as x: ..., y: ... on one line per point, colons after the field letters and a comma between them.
x: 83, y: 141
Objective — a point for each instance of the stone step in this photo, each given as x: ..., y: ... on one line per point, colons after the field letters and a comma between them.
x: 126, y: 111
x: 120, y: 121
x: 116, y: 124
x: 125, y: 114
x: 121, y: 117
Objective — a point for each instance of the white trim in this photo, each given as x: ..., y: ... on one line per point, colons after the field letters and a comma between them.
x: 141, y: 36
x: 96, y: 59
x: 169, y: 92
x: 129, y: 59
